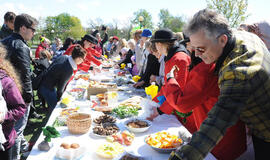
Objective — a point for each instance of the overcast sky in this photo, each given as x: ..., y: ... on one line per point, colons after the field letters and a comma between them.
x: 120, y: 10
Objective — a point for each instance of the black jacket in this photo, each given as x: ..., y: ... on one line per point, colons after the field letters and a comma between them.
x: 127, y: 58
x: 58, y: 75
x: 5, y: 31
x: 19, y: 56
x: 40, y: 65
x: 152, y: 67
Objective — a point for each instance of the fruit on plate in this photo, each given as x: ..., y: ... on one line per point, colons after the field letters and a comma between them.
x: 118, y: 138
x: 163, y: 140
x: 110, y: 150
x: 128, y: 137
x: 124, y: 138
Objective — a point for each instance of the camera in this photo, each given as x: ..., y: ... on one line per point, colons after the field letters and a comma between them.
x: 103, y: 28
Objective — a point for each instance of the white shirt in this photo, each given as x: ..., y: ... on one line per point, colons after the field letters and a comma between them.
x: 160, y: 78
x: 72, y: 63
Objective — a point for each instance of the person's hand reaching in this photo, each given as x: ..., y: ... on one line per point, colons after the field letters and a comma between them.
x: 153, y: 115
x: 152, y: 78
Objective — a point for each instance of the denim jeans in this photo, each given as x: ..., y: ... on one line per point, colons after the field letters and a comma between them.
x: 50, y: 96
x: 20, y: 142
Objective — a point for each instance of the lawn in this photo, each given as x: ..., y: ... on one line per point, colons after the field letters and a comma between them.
x: 34, y: 126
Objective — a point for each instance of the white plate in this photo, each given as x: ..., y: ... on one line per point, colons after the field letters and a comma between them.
x: 103, y: 136
x: 97, y: 135
x: 138, y: 130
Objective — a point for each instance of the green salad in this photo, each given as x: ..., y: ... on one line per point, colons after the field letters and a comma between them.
x: 123, y: 111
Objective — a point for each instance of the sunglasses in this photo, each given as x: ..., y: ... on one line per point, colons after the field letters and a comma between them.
x: 33, y: 29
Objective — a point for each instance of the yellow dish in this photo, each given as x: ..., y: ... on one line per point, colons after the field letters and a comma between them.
x: 110, y: 150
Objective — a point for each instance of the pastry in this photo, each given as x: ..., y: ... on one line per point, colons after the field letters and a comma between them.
x: 74, y: 145
x: 65, y: 145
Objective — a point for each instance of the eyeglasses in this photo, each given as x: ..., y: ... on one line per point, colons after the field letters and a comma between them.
x: 33, y: 29
x: 201, y: 50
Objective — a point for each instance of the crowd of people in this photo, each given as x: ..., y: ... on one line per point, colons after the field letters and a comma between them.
x: 214, y: 79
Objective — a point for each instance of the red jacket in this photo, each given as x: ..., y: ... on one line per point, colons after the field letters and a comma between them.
x: 88, y: 59
x: 200, y: 95
x: 94, y: 52
x: 39, y: 49
x: 182, y: 61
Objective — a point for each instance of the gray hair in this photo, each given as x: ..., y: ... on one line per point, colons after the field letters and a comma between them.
x: 212, y: 23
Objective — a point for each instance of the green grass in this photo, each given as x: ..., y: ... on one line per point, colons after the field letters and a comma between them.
x: 34, y: 126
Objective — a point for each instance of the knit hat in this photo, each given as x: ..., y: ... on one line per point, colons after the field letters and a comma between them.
x: 146, y: 33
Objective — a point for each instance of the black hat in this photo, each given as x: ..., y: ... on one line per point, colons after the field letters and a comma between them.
x: 163, y: 35
x: 90, y: 38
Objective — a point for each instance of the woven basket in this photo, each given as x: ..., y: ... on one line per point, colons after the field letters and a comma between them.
x: 79, y: 123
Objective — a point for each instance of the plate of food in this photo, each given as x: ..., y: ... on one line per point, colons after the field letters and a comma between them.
x: 131, y: 156
x: 105, y: 129
x: 137, y: 125
x: 104, y: 119
x: 163, y: 142
x: 109, y: 150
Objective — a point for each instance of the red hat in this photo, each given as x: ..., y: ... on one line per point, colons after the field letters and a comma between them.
x: 115, y: 37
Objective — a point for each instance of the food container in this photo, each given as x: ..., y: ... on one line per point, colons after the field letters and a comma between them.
x: 164, y: 142
x: 78, y: 93
x: 79, y: 123
x: 105, y: 129
x: 110, y: 150
x: 102, y: 88
x: 138, y: 127
x: 70, y: 154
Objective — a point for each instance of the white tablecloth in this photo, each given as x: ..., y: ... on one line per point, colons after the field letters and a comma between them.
x: 164, y: 122
x: 138, y: 147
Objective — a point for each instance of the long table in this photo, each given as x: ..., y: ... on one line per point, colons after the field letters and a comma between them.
x: 91, y: 142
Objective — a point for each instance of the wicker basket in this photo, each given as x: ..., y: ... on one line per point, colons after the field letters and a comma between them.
x: 79, y: 123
